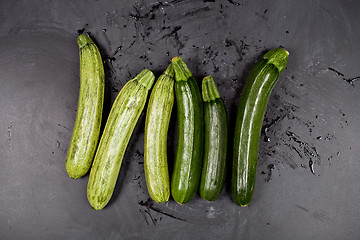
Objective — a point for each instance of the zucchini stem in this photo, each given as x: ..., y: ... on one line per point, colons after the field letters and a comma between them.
x: 182, y: 72
x: 83, y: 40
x: 146, y: 78
x: 278, y: 57
x: 169, y: 71
x: 209, y: 90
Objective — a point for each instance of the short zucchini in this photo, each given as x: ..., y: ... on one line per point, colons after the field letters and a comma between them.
x: 188, y: 160
x: 120, y: 124
x: 156, y: 128
x: 249, y: 119
x: 215, y: 142
x: 89, y: 113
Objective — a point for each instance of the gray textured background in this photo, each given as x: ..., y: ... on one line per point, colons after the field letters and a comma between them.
x: 312, y: 116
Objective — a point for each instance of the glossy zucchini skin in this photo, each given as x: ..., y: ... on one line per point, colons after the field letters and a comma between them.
x: 89, y: 113
x: 156, y: 128
x: 249, y: 119
x: 188, y: 160
x: 215, y: 142
x: 120, y: 124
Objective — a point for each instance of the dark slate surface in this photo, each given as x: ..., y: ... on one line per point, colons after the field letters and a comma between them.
x: 308, y: 172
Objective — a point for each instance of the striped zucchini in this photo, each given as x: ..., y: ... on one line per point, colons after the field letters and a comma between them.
x: 215, y: 142
x: 250, y: 115
x: 121, y: 122
x: 156, y: 127
x: 188, y: 161
x: 88, y: 120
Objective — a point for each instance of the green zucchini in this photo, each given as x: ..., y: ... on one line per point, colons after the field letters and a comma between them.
x: 215, y: 142
x: 249, y: 119
x: 120, y: 124
x: 156, y: 127
x: 188, y: 160
x: 88, y: 119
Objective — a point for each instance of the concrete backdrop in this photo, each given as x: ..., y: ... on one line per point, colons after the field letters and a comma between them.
x: 308, y: 171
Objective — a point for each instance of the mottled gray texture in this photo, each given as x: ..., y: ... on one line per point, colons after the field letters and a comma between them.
x: 312, y: 117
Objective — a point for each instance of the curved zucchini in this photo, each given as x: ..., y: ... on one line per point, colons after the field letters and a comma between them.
x: 215, y: 142
x: 156, y: 127
x: 188, y: 161
x: 88, y: 119
x: 250, y: 115
x: 120, y: 124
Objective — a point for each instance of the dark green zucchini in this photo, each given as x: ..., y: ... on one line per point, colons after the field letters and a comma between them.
x: 120, y: 124
x: 86, y: 132
x: 249, y: 119
x: 215, y: 142
x: 188, y: 160
x: 156, y: 128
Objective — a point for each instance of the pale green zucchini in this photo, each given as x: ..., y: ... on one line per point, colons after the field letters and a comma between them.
x: 156, y: 128
x: 121, y: 122
x: 89, y: 113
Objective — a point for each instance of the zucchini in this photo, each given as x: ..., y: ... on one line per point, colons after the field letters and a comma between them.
x: 120, y: 124
x: 250, y: 114
x: 188, y: 160
x: 215, y: 142
x: 156, y: 128
x: 90, y: 106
